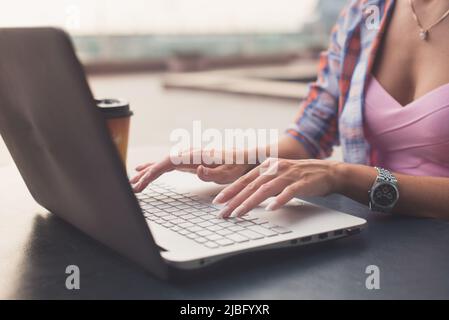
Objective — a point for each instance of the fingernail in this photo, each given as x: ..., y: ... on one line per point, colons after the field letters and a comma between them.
x: 239, y: 211
x: 223, y: 212
x: 273, y: 205
x: 205, y: 171
x: 218, y: 198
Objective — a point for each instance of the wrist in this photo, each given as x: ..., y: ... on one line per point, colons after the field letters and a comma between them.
x: 352, y: 178
x: 339, y: 177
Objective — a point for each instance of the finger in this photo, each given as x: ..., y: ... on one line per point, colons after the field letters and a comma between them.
x: 233, y: 205
x: 221, y: 174
x: 137, y: 177
x: 232, y: 190
x: 142, y: 183
x: 292, y: 191
x: 144, y: 166
x: 267, y: 168
x: 152, y: 173
x: 205, y: 173
x: 265, y: 188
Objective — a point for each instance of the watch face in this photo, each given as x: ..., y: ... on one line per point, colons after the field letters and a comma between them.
x: 384, y: 195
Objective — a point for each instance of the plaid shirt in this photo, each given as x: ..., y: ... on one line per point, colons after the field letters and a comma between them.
x: 332, y: 113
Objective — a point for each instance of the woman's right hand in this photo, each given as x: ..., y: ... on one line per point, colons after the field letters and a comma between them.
x: 206, y: 168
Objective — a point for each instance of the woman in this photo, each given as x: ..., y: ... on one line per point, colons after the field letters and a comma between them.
x: 383, y: 94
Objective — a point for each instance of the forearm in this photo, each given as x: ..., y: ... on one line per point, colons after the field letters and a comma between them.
x: 419, y: 196
x: 287, y: 148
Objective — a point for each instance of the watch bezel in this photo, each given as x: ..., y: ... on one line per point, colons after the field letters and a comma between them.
x: 374, y: 204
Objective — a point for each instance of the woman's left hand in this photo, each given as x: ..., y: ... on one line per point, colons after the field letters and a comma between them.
x: 285, y: 179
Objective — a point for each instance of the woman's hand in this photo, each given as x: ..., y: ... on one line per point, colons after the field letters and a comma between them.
x: 282, y: 178
x: 207, y: 167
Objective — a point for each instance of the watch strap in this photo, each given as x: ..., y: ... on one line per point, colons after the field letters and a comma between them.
x: 383, y: 176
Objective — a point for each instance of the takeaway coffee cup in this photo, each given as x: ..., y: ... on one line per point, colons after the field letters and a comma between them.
x: 117, y: 115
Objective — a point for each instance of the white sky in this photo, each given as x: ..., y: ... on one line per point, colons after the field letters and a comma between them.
x: 158, y: 16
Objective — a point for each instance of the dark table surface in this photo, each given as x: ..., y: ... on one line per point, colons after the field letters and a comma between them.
x: 412, y: 255
x: 36, y: 247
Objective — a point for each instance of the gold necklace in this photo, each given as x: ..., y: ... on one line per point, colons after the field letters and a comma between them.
x: 424, y: 32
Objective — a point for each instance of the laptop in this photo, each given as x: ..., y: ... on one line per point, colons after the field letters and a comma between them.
x: 60, y: 144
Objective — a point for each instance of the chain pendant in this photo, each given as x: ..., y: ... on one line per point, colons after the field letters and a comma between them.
x: 424, y: 35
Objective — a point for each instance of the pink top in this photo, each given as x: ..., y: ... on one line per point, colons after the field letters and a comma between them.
x: 411, y: 139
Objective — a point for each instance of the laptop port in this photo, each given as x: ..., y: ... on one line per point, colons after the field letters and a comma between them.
x: 294, y: 241
x: 306, y: 239
x: 352, y: 231
x: 323, y: 236
x: 338, y: 233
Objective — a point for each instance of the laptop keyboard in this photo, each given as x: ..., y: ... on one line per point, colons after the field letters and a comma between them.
x: 197, y: 220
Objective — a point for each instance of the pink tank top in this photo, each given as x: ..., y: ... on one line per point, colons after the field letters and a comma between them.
x: 411, y: 139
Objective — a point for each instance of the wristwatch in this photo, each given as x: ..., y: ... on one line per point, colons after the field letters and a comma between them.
x: 384, y: 193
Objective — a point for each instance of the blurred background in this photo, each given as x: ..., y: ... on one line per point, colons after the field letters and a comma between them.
x: 231, y: 64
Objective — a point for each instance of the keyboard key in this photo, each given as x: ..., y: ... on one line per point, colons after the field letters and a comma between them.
x: 186, y: 224
x: 269, y: 225
x: 236, y: 228
x: 196, y: 220
x: 251, y: 234
x: 205, y: 224
x: 194, y: 229
x: 192, y: 235
x: 167, y: 225
x: 156, y: 203
x: 174, y: 203
x: 161, y: 214
x: 214, y: 228
x: 224, y: 242
x: 215, y: 220
x: 245, y: 223
x: 176, y: 228
x: 169, y: 217
x: 224, y: 232
x: 177, y: 221
x: 204, y: 233
x: 259, y: 221
x: 201, y: 240
x: 249, y: 218
x: 152, y: 210
x: 208, y: 216
x: 226, y: 224
x: 211, y: 245
x: 163, y: 206
x: 237, y: 238
x: 281, y: 230
x: 264, y: 231
x: 214, y: 237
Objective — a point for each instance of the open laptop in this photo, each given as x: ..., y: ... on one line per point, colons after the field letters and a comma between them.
x: 60, y: 144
